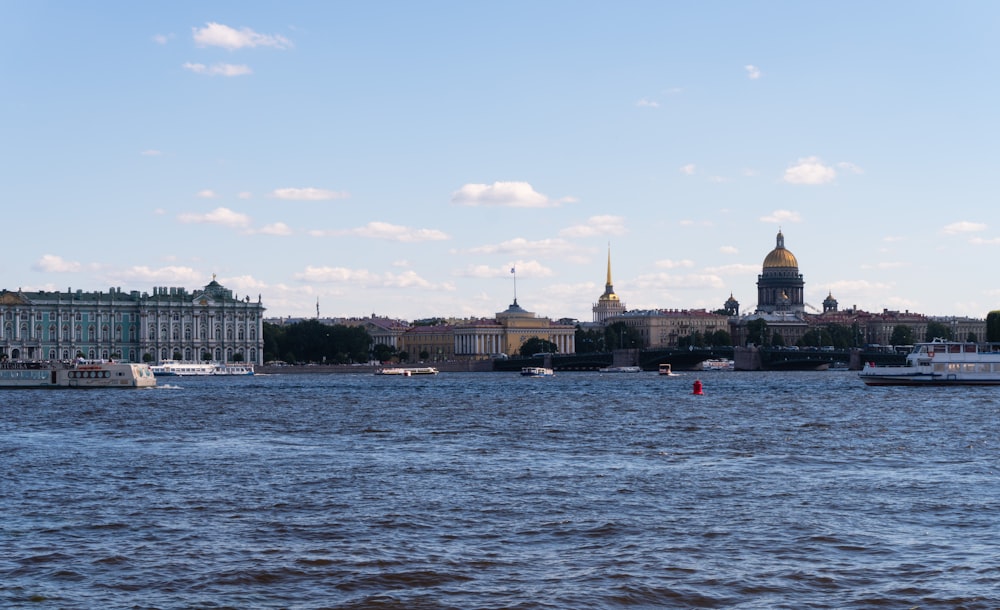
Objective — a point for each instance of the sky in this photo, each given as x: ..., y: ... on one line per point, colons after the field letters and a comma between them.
x: 401, y: 158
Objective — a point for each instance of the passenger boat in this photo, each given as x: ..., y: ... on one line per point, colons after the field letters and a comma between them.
x: 621, y: 369
x: 233, y: 369
x: 717, y: 364
x: 537, y: 371
x: 407, y: 371
x: 940, y: 362
x: 175, y: 368
x: 665, y: 369
x: 75, y: 374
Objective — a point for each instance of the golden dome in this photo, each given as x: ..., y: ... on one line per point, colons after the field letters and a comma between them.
x: 780, y: 257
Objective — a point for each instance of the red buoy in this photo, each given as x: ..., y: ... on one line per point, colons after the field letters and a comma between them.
x: 697, y: 387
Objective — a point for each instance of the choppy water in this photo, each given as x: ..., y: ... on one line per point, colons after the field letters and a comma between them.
x: 791, y: 490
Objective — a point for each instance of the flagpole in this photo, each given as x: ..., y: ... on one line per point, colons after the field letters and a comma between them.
x: 512, y: 272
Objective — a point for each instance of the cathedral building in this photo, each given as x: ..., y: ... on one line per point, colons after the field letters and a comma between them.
x: 780, y: 288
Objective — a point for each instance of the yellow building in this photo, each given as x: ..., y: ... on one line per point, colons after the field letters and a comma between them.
x: 481, y: 339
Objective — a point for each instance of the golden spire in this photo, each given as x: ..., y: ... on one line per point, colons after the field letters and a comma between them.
x: 608, y: 283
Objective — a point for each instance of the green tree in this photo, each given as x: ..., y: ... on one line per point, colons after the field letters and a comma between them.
x: 901, y: 335
x: 757, y: 332
x: 383, y: 352
x: 537, y: 345
x: 621, y: 336
x: 777, y: 340
x: 719, y: 338
x: 993, y: 326
x: 589, y: 341
x: 938, y: 330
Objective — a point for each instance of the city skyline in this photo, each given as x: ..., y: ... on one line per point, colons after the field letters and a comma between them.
x: 401, y: 159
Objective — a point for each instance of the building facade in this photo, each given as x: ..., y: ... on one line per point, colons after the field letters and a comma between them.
x: 662, y: 328
x: 171, y: 323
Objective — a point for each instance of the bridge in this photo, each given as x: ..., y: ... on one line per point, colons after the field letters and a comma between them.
x: 681, y: 359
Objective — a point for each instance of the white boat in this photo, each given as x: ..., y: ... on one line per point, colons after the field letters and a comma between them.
x: 666, y: 369
x: 408, y: 371
x: 718, y: 364
x: 940, y: 362
x: 621, y: 369
x: 537, y: 371
x: 233, y: 369
x: 175, y: 368
x: 75, y: 374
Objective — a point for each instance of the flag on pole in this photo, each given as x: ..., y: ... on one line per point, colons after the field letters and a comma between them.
x: 512, y: 270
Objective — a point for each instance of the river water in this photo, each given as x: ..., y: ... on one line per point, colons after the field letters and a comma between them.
x: 488, y: 491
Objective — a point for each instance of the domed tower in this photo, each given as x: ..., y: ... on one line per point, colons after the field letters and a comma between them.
x: 829, y: 303
x: 731, y: 306
x: 780, y: 285
x: 608, y: 305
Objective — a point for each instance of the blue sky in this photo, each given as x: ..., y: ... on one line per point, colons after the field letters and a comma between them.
x: 399, y: 158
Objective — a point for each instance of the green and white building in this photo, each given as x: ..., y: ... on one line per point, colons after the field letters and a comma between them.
x: 170, y: 324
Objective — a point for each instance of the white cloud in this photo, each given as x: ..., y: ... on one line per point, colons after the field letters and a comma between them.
x: 525, y: 269
x: 162, y: 38
x: 207, y: 194
x: 671, y: 264
x: 219, y: 35
x: 142, y: 274
x: 734, y: 269
x: 647, y: 103
x: 506, y: 194
x: 780, y: 216
x: 363, y: 277
x: 688, y: 170
x: 221, y: 216
x: 596, y: 225
x: 963, y: 226
x: 278, y: 228
x: 150, y: 153
x: 522, y: 247
x: 391, y: 232
x: 981, y: 241
x: 809, y: 170
x: 51, y: 263
x: 729, y: 250
x: 850, y: 167
x: 308, y: 194
x: 753, y: 72
x: 245, y: 195
x: 219, y: 69
x: 655, y: 281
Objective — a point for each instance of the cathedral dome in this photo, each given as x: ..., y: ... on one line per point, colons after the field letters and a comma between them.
x: 780, y: 257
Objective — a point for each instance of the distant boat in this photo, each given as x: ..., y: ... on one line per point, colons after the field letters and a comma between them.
x: 408, y: 371
x: 666, y: 370
x: 621, y: 369
x: 176, y: 368
x: 537, y: 371
x: 940, y: 362
x: 233, y: 369
x: 718, y: 364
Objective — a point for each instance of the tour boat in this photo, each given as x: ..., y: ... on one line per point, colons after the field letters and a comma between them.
x: 408, y: 371
x: 717, y: 364
x: 233, y: 369
x: 940, y: 362
x: 175, y: 368
x: 75, y: 374
x: 666, y: 370
x: 537, y: 371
